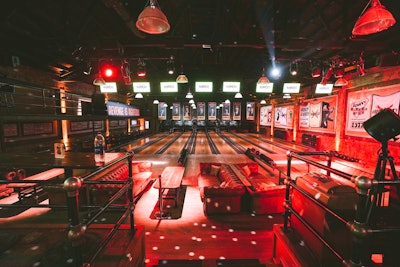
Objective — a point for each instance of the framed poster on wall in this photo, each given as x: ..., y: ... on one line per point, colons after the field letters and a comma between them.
x: 362, y: 105
x: 318, y: 114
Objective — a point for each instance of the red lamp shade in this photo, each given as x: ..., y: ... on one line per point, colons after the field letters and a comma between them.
x: 152, y: 20
x: 375, y: 19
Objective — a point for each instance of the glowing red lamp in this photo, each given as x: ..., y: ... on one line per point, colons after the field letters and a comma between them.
x: 374, y: 20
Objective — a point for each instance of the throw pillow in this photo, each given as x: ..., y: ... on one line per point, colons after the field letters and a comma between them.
x: 214, y: 170
x: 135, y: 168
x: 246, y: 170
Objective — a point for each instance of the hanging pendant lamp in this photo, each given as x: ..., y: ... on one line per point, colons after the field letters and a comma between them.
x: 152, y: 20
x: 374, y: 20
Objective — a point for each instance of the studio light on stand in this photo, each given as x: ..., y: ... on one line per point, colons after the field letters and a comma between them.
x: 383, y: 126
x: 152, y: 20
x: 374, y: 20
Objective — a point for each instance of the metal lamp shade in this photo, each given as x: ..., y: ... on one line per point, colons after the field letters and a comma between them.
x: 153, y: 21
x: 375, y: 19
x: 383, y: 126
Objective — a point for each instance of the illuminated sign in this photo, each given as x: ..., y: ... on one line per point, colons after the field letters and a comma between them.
x: 264, y: 87
x: 109, y: 88
x: 141, y: 87
x: 204, y: 87
x: 291, y: 88
x: 231, y: 87
x: 121, y: 110
x: 169, y: 87
x: 324, y: 88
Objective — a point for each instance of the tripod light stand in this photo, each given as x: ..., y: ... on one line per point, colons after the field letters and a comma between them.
x: 383, y: 126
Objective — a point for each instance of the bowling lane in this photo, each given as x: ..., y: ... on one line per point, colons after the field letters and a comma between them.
x: 202, y: 145
x: 143, y: 141
x: 223, y: 147
x: 178, y: 145
x: 158, y: 145
x: 249, y: 141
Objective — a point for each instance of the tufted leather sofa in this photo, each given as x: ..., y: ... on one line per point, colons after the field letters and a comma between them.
x: 220, y: 190
x: 265, y: 196
x: 231, y: 188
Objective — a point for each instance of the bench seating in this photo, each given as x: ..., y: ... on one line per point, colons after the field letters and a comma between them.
x: 100, y: 193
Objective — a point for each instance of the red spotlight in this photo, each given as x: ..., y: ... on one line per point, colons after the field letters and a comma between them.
x: 109, y: 71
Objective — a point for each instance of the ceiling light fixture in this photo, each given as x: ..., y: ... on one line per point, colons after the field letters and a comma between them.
x: 182, y: 77
x: 156, y: 102
x: 152, y: 20
x: 263, y: 102
x: 99, y: 81
x: 189, y: 94
x: 238, y: 95
x: 263, y: 79
x: 171, y: 66
x: 139, y: 95
x: 141, y: 71
x: 374, y: 20
x: 340, y: 82
x: 294, y: 68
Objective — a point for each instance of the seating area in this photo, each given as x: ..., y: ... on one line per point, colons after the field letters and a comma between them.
x: 99, y: 193
x: 232, y: 188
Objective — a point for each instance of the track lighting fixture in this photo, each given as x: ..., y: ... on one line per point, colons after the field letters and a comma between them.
x: 294, y: 68
x: 141, y: 71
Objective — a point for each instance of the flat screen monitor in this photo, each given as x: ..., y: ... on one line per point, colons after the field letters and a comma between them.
x: 264, y: 87
x: 109, y: 87
x: 324, y: 88
x: 291, y: 88
x: 169, y: 87
x: 204, y: 87
x: 233, y: 87
x: 141, y: 87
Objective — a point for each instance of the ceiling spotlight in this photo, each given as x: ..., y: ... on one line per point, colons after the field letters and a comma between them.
x: 361, y: 69
x: 316, y: 72
x: 294, y: 68
x: 141, y: 71
x: 152, y: 20
x: 327, y: 75
x: 126, y: 72
x: 170, y: 66
x: 374, y: 20
x: 275, y: 72
x: 339, y: 73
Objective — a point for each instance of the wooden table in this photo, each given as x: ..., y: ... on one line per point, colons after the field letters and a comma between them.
x: 170, y: 179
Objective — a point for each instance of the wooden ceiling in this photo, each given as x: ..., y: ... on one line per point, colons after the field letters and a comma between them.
x: 209, y: 39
